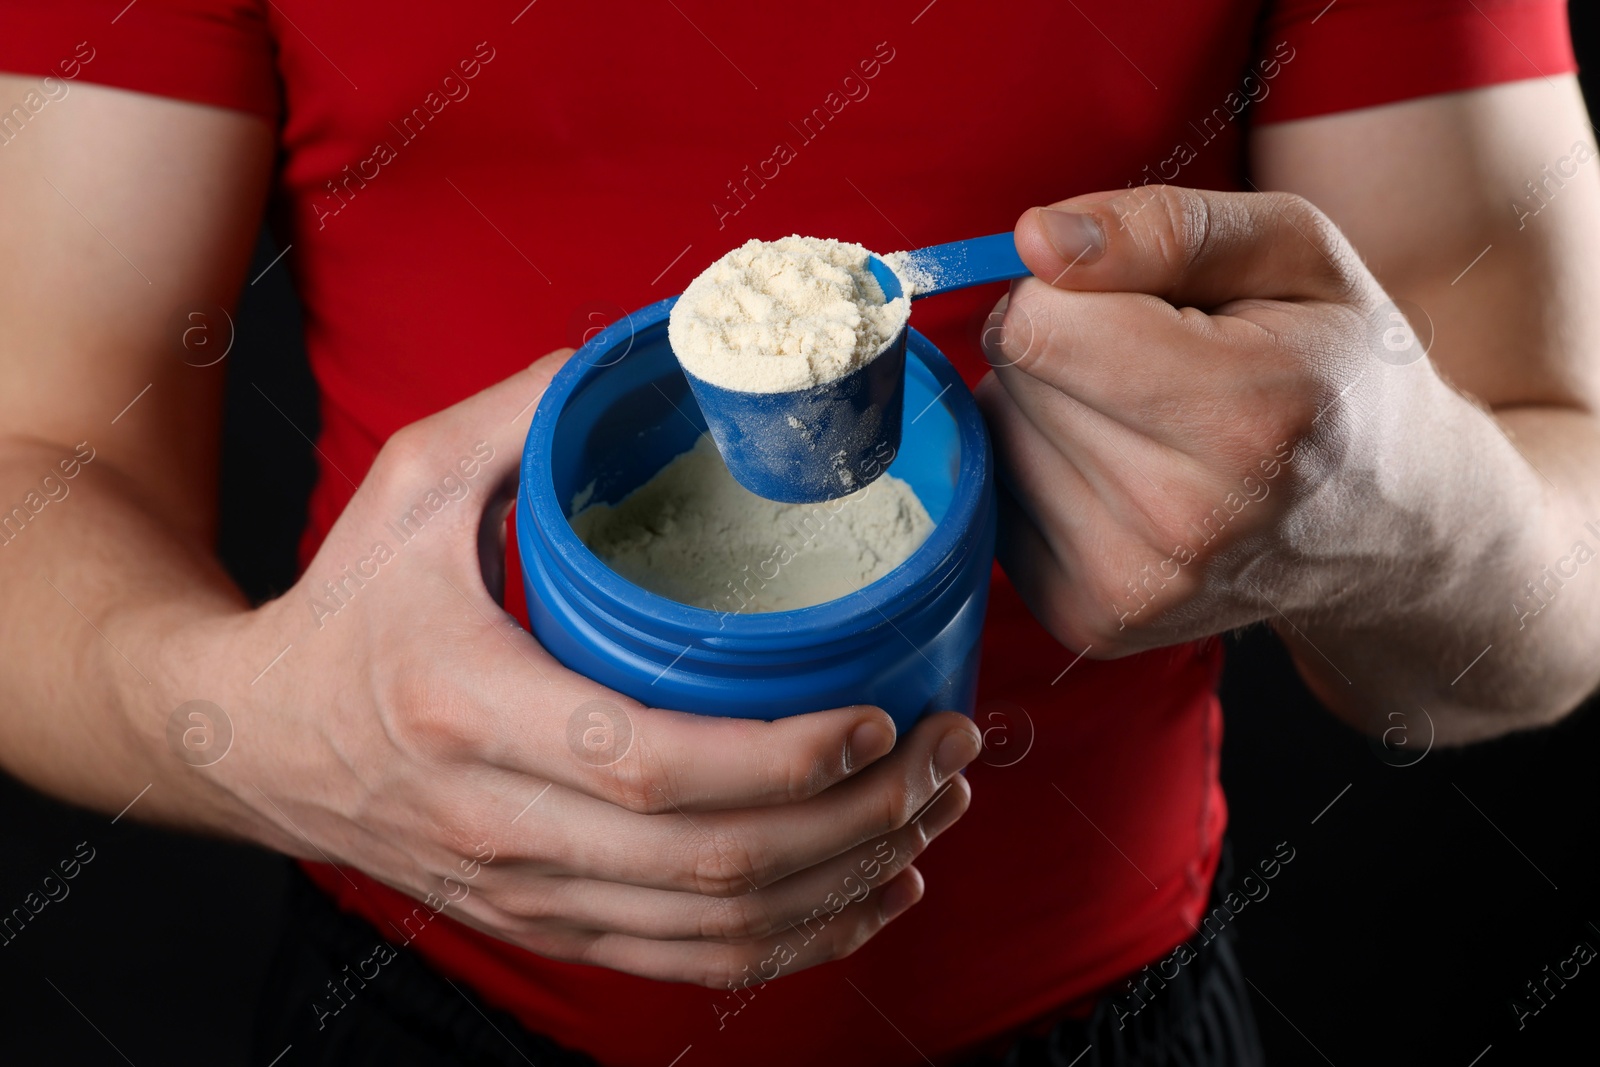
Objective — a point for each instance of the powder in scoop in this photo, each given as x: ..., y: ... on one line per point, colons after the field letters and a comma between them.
x: 693, y: 534
x: 777, y: 316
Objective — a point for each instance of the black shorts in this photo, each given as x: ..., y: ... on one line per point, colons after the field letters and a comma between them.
x: 412, y: 1016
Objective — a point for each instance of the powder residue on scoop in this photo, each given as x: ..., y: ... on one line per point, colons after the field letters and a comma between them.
x: 693, y: 534
x: 916, y: 275
x: 777, y: 316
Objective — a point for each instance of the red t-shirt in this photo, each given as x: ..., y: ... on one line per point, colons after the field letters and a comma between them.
x: 465, y: 187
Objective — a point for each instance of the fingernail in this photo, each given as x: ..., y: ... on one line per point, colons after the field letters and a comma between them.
x: 870, y: 740
x: 955, y: 751
x: 1075, y: 235
x: 899, y: 895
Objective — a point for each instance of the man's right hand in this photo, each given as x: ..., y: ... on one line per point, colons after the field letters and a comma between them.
x: 413, y: 730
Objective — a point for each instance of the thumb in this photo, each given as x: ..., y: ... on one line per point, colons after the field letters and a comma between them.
x: 1191, y: 247
x: 492, y: 422
x: 501, y: 413
x: 442, y: 484
x: 426, y: 471
x: 499, y: 416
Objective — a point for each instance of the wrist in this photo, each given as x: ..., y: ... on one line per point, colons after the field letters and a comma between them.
x: 180, y: 711
x: 1427, y: 510
x: 1417, y: 576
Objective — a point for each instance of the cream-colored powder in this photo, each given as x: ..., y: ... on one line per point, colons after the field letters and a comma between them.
x: 915, y: 275
x: 776, y: 316
x: 693, y: 534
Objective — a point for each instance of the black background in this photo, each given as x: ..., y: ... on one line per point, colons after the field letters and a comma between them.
x: 1416, y: 907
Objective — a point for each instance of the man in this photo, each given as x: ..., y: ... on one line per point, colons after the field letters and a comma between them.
x: 1359, y: 406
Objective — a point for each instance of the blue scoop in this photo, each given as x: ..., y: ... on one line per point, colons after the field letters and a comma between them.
x: 823, y: 442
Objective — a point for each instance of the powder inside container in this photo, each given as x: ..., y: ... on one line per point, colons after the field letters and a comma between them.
x: 776, y: 316
x: 693, y: 534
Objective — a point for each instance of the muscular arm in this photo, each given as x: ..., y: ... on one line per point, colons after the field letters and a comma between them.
x: 1502, y: 484
x: 1205, y: 416
x: 123, y: 212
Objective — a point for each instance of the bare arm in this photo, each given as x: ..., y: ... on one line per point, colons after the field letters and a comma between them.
x: 123, y: 212
x: 1435, y: 195
x: 1209, y: 417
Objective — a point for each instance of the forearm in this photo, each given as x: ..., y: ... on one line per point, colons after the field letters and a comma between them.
x: 1495, y: 629
x: 89, y: 584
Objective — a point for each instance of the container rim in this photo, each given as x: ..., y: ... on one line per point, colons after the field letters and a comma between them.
x: 541, y: 514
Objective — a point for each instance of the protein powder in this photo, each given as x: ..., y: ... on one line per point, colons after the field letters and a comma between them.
x: 777, y: 316
x: 693, y: 534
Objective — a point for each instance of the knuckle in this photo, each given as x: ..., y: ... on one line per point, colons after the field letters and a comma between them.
x: 1296, y: 208
x: 1028, y: 327
x: 724, y: 970
x: 1309, y: 220
x: 848, y: 940
x: 1100, y: 586
x: 913, y: 840
x: 1288, y: 421
x: 634, y: 794
x: 425, y: 715
x: 733, y: 919
x: 1105, y: 618
x: 1022, y: 306
x: 404, y: 457
x: 1079, y: 633
x: 1184, y: 226
x: 522, y: 905
x: 803, y: 779
x: 637, y: 783
x: 721, y: 866
x: 1332, y: 259
x: 894, y: 804
x: 553, y: 851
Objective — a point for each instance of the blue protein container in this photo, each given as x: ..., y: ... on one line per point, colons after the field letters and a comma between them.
x: 618, y: 412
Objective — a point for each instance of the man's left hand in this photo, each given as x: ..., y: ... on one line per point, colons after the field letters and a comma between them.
x: 1207, y: 412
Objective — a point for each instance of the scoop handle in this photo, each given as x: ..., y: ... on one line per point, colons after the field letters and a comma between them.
x: 960, y: 264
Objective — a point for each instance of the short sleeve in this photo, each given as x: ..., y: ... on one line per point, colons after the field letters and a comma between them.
x: 1349, y: 54
x: 217, y: 52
